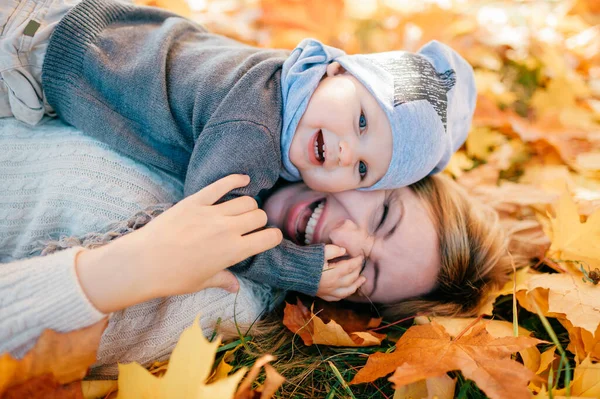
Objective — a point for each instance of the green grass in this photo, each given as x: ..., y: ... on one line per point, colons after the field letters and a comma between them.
x: 319, y: 371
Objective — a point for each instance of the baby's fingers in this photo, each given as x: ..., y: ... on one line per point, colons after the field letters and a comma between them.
x: 344, y: 291
x: 333, y: 251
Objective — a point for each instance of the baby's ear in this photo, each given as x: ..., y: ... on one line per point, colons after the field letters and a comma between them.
x: 334, y: 69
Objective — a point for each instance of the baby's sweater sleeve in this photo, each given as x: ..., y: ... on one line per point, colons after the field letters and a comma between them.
x: 41, y: 293
x: 247, y: 147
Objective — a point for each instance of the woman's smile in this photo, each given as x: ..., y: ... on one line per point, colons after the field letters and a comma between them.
x: 303, y: 221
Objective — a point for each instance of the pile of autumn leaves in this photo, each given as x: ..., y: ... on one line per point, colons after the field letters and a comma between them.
x: 533, y: 154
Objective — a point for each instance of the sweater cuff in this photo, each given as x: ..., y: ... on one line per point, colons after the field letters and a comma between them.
x: 302, y: 268
x: 42, y: 293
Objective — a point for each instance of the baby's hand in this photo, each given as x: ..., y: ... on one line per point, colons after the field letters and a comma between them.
x: 340, y: 279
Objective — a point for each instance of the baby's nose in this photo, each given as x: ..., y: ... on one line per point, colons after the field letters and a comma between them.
x: 346, y: 154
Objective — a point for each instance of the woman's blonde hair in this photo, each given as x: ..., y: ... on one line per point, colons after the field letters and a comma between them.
x: 474, y: 259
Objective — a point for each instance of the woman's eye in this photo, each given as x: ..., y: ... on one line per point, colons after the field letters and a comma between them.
x: 362, y: 121
x: 383, y: 215
x: 362, y: 169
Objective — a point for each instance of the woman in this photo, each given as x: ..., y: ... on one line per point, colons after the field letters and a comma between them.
x: 393, y: 229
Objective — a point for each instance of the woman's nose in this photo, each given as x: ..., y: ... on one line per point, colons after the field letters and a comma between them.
x: 350, y: 236
x: 346, y: 153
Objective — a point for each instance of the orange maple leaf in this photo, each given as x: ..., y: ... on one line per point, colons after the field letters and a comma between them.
x: 428, y: 351
x: 64, y: 356
x: 313, y: 330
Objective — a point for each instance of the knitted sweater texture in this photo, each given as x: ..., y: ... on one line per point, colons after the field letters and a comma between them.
x: 168, y: 93
x: 56, y: 182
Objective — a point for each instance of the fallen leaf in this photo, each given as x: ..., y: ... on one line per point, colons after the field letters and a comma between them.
x: 349, y: 319
x: 272, y: 382
x: 586, y: 380
x: 582, y: 343
x: 179, y: 7
x: 572, y: 239
x: 312, y: 330
x: 66, y: 356
x: 482, y: 140
x: 98, y: 388
x: 569, y: 295
x: 428, y: 351
x: 189, y: 368
x: 441, y: 387
x: 44, y: 387
x: 456, y: 326
x: 223, y: 368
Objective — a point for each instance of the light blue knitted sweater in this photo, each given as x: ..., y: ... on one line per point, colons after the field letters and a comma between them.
x: 55, y: 182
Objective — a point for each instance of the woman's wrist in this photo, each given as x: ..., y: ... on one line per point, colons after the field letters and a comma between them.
x: 110, y: 276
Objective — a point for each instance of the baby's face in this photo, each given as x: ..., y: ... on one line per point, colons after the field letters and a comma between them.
x: 344, y: 139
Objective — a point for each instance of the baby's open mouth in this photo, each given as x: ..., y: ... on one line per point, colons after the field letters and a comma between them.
x: 307, y: 221
x: 319, y: 147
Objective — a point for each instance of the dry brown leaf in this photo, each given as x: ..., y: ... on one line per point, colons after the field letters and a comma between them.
x: 441, y: 387
x: 44, y: 387
x: 312, y: 330
x: 428, y: 350
x: 272, y: 382
x: 65, y: 356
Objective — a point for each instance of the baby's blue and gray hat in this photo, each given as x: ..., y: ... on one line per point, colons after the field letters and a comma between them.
x: 428, y: 96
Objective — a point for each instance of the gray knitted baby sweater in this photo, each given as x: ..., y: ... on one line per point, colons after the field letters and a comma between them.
x: 168, y: 93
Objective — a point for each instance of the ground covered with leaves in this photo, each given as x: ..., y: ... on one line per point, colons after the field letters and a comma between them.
x: 533, y: 154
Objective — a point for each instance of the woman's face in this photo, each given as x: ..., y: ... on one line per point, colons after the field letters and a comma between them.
x: 391, y: 228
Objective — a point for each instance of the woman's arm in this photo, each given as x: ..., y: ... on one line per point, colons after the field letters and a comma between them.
x: 39, y: 293
x: 185, y: 249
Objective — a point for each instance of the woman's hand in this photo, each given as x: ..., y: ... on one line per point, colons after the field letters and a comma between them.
x: 340, y: 279
x: 185, y: 249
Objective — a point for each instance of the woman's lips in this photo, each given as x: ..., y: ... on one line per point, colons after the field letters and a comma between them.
x: 293, y: 218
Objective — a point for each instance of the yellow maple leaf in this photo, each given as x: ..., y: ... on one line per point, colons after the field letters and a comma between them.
x: 585, y: 383
x: 569, y: 295
x: 481, y: 142
x: 189, y: 368
x: 572, y: 239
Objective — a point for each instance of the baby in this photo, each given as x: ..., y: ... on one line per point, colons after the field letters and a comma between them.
x: 163, y: 90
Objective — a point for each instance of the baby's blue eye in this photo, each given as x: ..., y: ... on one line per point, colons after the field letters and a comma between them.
x: 362, y: 169
x: 362, y: 121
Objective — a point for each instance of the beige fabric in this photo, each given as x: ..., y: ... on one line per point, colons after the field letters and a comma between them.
x: 25, y: 29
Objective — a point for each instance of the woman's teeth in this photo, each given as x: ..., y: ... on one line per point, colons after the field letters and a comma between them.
x: 312, y: 223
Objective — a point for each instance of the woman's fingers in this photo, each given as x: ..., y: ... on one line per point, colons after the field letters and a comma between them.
x: 249, y: 221
x: 237, y: 206
x: 260, y: 241
x: 213, y: 192
x: 333, y: 251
